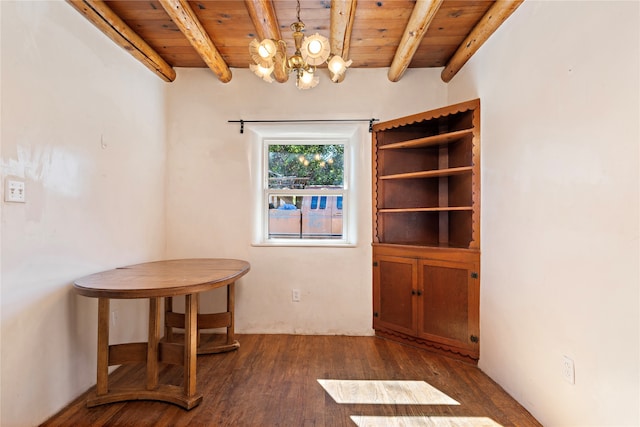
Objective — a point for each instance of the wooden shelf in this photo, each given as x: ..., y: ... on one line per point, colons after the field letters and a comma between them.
x: 428, y: 141
x: 431, y: 173
x: 439, y: 209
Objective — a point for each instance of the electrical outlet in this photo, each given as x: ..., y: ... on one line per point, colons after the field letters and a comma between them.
x: 295, y: 295
x: 114, y: 317
x: 568, y: 370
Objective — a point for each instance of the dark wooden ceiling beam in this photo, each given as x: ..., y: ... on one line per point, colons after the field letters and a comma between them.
x: 183, y: 16
x: 100, y: 15
x: 490, y: 22
x: 421, y: 17
x: 343, y: 13
x: 263, y: 16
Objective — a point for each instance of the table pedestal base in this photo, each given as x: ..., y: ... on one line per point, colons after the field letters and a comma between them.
x: 152, y: 352
x: 165, y: 393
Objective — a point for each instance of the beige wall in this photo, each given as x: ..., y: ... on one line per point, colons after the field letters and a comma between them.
x: 82, y: 125
x: 209, y: 192
x: 559, y: 85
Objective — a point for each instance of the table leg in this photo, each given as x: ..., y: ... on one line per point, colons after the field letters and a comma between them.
x: 102, y: 382
x: 197, y: 297
x: 168, y: 310
x: 152, y: 345
x: 231, y: 298
x: 190, y: 344
x: 204, y: 321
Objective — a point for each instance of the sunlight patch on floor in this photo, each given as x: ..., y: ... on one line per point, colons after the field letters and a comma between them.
x: 425, y: 421
x: 378, y: 392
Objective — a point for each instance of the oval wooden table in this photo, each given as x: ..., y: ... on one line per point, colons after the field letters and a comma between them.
x: 157, y: 280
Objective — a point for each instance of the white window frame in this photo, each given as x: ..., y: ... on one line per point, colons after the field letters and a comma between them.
x: 264, y: 135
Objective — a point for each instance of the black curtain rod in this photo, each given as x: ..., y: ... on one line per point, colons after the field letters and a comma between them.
x: 242, y: 122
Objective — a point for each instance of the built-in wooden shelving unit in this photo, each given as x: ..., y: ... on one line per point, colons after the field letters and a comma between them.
x: 426, y: 229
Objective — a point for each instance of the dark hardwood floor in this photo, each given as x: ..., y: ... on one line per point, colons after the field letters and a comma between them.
x: 272, y: 380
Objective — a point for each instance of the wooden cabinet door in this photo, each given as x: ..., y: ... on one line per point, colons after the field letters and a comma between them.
x: 448, y: 303
x: 395, y: 281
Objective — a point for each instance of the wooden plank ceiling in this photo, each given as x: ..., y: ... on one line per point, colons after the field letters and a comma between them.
x: 394, y: 34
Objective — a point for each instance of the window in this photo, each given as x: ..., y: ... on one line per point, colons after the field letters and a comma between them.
x: 303, y: 197
x: 305, y: 189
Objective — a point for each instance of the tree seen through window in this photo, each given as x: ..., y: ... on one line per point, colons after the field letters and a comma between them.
x: 299, y: 166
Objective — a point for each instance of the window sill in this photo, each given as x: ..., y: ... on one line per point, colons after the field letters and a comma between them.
x: 308, y: 243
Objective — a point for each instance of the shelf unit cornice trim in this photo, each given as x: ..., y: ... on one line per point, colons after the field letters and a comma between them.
x: 422, y: 117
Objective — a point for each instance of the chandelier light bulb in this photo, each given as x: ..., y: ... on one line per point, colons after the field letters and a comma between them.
x: 267, y: 49
x: 307, y: 77
x: 338, y: 67
x: 315, y: 47
x: 306, y: 80
x: 258, y: 50
x: 263, y: 72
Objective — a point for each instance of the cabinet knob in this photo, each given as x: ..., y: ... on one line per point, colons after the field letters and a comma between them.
x: 413, y: 291
x: 474, y: 338
x: 419, y: 293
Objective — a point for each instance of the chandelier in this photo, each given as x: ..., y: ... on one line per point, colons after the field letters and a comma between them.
x: 310, y: 52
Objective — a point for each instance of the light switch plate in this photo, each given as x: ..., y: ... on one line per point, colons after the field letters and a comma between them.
x: 14, y: 191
